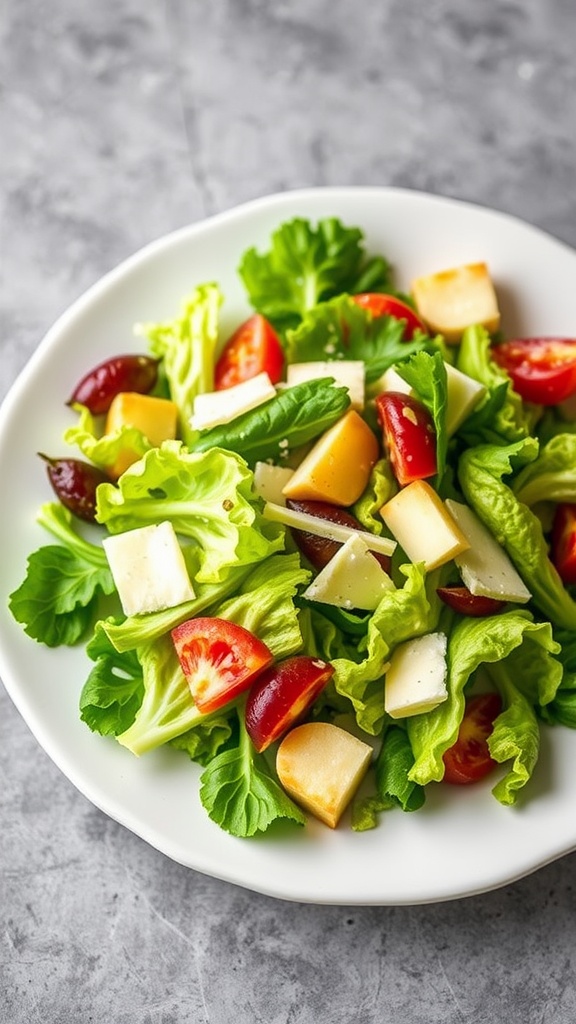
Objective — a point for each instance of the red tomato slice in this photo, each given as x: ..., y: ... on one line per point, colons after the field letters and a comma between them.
x: 564, y: 541
x: 389, y: 305
x: 461, y: 600
x: 542, y: 370
x: 219, y: 659
x: 253, y: 348
x: 282, y: 695
x: 469, y: 759
x: 409, y: 436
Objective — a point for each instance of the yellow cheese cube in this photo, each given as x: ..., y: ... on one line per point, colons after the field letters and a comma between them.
x: 423, y: 526
x: 452, y: 300
x: 157, y: 418
x: 321, y: 767
x: 338, y: 467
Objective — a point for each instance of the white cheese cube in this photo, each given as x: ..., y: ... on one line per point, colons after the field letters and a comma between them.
x: 423, y: 526
x: 416, y: 678
x: 350, y: 374
x: 218, y: 407
x: 485, y: 567
x: 353, y: 578
x: 148, y: 569
x: 269, y: 481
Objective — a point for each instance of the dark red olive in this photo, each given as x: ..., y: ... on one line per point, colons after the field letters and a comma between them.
x: 122, y: 373
x: 319, y: 550
x: 74, y: 482
x: 461, y: 600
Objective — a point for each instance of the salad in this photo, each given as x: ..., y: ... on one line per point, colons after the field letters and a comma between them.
x: 331, y: 558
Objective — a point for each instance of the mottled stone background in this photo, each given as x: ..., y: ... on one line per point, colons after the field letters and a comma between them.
x: 120, y: 120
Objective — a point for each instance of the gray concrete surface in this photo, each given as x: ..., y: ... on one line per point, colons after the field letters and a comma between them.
x: 120, y: 120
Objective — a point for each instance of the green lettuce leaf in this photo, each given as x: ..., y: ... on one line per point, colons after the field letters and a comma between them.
x: 275, y: 429
x: 113, y: 691
x: 167, y: 709
x: 471, y: 643
x: 381, y: 487
x: 136, y: 630
x: 552, y: 474
x: 359, y: 672
x: 207, y: 497
x: 501, y: 416
x: 394, y: 788
x: 341, y: 329
x: 516, y: 735
x: 426, y: 375
x: 308, y: 264
x: 104, y: 450
x: 60, y: 594
x: 561, y: 710
x: 480, y: 472
x: 187, y: 348
x: 264, y: 604
x: 239, y: 793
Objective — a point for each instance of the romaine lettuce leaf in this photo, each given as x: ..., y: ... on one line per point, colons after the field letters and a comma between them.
x: 471, y: 643
x: 426, y: 375
x: 168, y: 709
x: 516, y: 735
x: 562, y: 709
x: 60, y: 594
x: 113, y: 691
x: 359, y: 669
x: 264, y: 604
x: 308, y: 264
x: 394, y: 787
x: 480, y: 472
x: 341, y: 329
x: 187, y: 348
x: 382, y: 486
x: 104, y: 450
x: 240, y: 794
x: 206, y: 496
x: 501, y: 416
x: 552, y: 474
x: 275, y: 429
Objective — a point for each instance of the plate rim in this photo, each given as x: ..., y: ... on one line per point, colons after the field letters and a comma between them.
x: 154, y: 248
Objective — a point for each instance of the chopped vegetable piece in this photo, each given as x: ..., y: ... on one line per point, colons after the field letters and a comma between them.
x: 469, y: 759
x: 219, y: 659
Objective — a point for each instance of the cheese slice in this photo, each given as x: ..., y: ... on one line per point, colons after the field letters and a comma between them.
x: 325, y: 528
x: 148, y: 569
x: 485, y: 567
x: 218, y: 407
x: 348, y: 373
x: 416, y: 678
x: 352, y: 578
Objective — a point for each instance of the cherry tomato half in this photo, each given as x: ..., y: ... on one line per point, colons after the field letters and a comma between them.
x: 542, y: 370
x: 219, y: 659
x: 462, y: 600
x: 469, y: 759
x: 563, y: 548
x: 389, y: 305
x: 253, y: 348
x: 409, y: 436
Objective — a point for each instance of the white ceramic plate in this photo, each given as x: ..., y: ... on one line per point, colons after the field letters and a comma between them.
x: 463, y: 841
